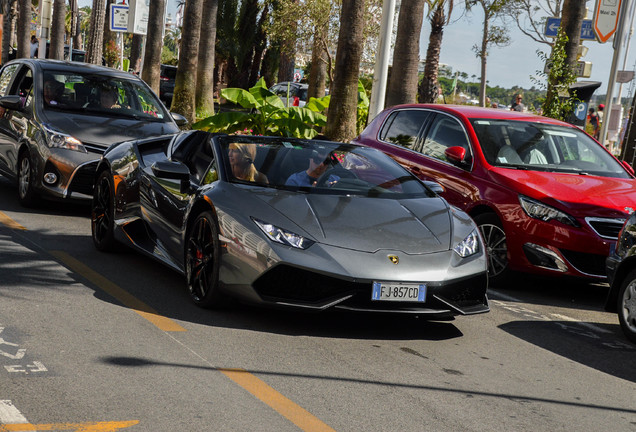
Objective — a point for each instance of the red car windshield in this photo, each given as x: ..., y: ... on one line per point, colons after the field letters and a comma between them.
x: 544, y: 147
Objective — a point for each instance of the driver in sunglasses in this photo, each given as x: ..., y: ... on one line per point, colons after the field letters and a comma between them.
x: 318, y: 164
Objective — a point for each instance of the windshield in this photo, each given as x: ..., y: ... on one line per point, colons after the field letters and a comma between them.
x: 92, y: 93
x: 544, y: 147
x: 322, y: 167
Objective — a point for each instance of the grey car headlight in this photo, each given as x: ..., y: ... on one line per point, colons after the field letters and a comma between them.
x: 544, y: 212
x: 469, y: 246
x: 282, y: 236
x: 57, y: 139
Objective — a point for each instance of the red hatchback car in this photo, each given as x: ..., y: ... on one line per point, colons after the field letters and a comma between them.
x: 548, y: 198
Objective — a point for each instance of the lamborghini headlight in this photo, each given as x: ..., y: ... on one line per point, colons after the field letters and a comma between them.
x: 469, y: 246
x: 544, y: 212
x: 282, y: 236
x: 57, y: 139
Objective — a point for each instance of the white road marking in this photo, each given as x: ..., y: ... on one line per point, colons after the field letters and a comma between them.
x: 582, y: 324
x: 10, y: 414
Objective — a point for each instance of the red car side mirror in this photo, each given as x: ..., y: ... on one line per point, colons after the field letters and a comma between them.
x: 455, y: 154
x: 628, y: 167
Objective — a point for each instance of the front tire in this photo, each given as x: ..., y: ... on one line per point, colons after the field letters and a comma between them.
x: 26, y: 180
x: 627, y: 306
x: 202, y: 261
x: 103, y: 214
x: 496, y: 246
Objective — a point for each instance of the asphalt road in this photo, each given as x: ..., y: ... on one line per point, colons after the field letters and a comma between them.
x: 107, y: 342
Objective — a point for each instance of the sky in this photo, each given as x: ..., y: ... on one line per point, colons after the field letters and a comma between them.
x: 508, y: 66
x: 516, y: 63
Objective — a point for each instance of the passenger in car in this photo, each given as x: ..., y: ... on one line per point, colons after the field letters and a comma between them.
x: 108, y: 98
x: 241, y: 157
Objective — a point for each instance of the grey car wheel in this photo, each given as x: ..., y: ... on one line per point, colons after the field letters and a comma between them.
x: 627, y: 306
x: 26, y: 179
x: 103, y: 214
x: 496, y: 245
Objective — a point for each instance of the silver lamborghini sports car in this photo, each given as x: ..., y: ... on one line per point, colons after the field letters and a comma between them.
x: 292, y: 223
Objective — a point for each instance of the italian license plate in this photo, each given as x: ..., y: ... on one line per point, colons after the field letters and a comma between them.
x: 397, y: 291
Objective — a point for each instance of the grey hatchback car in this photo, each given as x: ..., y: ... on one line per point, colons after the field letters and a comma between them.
x: 58, y: 118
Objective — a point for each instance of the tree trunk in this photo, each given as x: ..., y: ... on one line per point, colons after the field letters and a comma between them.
x: 341, y: 122
x: 428, y: 90
x: 573, y: 12
x: 136, y: 47
x: 183, y: 101
x: 24, y: 29
x: 247, y: 33
x: 402, y: 86
x: 96, y: 32
x: 9, y: 26
x: 110, y: 48
x: 318, y: 71
x: 484, y: 60
x: 151, y: 73
x: 58, y: 30
x: 205, y: 67
x: 259, y: 47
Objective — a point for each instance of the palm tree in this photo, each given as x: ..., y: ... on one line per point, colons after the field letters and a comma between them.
x: 96, y: 32
x: 205, y: 66
x: 341, y: 122
x: 402, y: 85
x: 9, y: 25
x: 183, y: 101
x: 58, y: 29
x: 439, y: 15
x: 24, y: 24
x: 151, y: 72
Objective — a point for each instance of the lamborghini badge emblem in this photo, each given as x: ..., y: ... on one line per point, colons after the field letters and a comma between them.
x: 394, y: 259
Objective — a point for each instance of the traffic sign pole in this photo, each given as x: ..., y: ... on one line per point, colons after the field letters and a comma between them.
x: 607, y: 113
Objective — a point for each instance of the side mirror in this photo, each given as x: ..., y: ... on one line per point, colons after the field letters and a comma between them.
x: 628, y: 167
x: 179, y: 119
x: 12, y: 102
x: 434, y: 186
x: 455, y: 155
x: 173, y: 170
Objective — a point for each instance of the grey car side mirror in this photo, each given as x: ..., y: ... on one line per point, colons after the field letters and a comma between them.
x: 12, y: 102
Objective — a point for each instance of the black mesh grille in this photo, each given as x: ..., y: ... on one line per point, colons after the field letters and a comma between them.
x: 298, y: 285
x: 83, y: 179
x: 591, y: 264
x: 607, y: 228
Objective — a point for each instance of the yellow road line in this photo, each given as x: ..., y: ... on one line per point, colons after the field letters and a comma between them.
x: 285, y: 407
x: 127, y: 299
x: 6, y: 220
x: 77, y: 427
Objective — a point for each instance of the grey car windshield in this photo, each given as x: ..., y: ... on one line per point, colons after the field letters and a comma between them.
x: 544, y: 147
x: 318, y: 167
x: 100, y: 95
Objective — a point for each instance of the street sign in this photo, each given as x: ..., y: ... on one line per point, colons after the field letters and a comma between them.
x: 624, y: 76
x: 552, y: 25
x: 606, y: 17
x: 583, y: 69
x: 118, y: 18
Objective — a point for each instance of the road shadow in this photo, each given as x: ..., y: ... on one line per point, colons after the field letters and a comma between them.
x: 562, y: 292
x: 600, y: 351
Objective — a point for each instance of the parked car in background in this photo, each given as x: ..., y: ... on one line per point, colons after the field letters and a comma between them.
x: 548, y: 198
x: 621, y: 273
x: 167, y: 77
x: 365, y: 235
x: 291, y: 93
x: 57, y: 118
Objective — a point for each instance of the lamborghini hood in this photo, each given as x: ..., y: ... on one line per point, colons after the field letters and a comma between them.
x: 413, y: 226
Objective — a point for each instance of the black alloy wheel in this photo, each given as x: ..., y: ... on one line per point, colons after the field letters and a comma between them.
x: 103, y: 214
x: 202, y: 255
x: 26, y: 179
x: 627, y: 306
x: 496, y: 246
